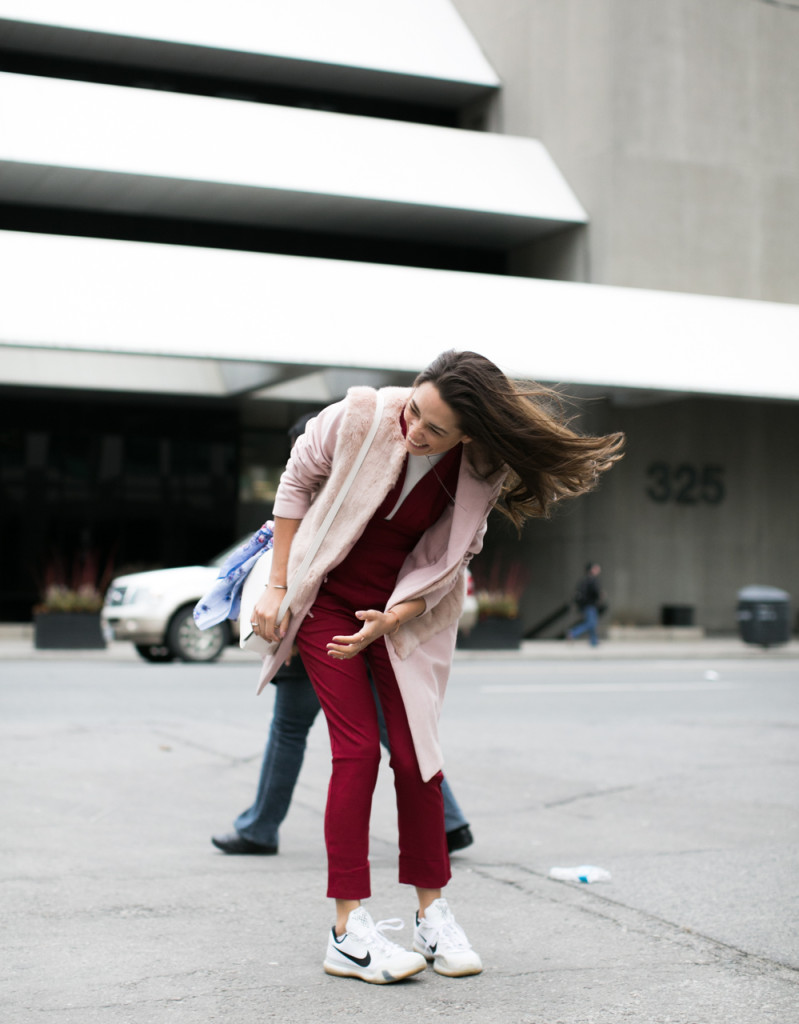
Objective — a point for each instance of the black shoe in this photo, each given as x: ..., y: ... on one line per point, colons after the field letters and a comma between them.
x: 459, y: 838
x: 234, y: 843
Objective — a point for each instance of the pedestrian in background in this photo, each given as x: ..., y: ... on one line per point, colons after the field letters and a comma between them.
x: 587, y: 598
x: 256, y: 830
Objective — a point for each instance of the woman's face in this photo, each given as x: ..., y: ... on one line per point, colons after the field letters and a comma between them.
x: 432, y: 424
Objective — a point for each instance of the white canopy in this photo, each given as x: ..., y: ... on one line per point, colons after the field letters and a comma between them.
x: 277, y: 317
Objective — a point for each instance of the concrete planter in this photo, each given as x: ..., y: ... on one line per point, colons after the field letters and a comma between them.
x: 492, y: 635
x: 67, y: 631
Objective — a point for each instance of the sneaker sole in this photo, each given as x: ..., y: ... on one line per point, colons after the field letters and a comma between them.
x: 383, y: 978
x: 446, y: 972
x: 454, y: 973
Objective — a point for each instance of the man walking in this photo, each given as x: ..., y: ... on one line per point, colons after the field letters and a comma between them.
x: 587, y: 599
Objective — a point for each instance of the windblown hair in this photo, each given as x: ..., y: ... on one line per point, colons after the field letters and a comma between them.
x: 522, y: 427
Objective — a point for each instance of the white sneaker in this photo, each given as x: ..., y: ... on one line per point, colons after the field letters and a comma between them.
x: 364, y: 952
x: 439, y: 937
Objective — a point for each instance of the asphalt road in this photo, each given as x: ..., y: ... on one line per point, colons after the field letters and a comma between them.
x: 679, y: 776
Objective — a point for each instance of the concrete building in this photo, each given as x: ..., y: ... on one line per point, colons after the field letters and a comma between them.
x: 211, y: 223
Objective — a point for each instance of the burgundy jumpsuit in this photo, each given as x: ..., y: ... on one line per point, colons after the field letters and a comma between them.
x: 365, y: 580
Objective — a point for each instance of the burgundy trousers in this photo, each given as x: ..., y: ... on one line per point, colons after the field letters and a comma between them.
x: 346, y: 697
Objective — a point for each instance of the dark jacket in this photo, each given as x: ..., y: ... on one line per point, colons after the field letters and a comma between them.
x: 588, y: 592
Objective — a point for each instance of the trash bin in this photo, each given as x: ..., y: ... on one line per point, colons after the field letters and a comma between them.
x: 764, y: 616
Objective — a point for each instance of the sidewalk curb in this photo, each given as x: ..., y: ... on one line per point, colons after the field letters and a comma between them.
x: 16, y: 644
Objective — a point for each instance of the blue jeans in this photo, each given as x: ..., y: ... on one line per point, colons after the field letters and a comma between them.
x: 588, y: 625
x: 295, y: 710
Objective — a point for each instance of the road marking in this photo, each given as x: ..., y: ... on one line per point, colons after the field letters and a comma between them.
x: 661, y: 687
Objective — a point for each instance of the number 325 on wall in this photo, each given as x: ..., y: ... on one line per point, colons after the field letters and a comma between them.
x: 685, y: 484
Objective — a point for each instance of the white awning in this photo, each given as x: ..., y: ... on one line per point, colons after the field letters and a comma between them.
x: 293, y: 315
x: 104, y: 147
x: 412, y: 50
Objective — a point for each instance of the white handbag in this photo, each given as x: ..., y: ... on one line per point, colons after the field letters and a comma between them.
x: 257, y: 579
x: 258, y: 576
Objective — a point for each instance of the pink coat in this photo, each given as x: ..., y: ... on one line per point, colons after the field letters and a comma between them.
x: 421, y: 650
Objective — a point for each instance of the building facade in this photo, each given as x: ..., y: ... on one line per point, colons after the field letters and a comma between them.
x: 213, y: 223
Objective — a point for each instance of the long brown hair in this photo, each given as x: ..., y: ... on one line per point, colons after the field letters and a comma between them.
x: 522, y: 427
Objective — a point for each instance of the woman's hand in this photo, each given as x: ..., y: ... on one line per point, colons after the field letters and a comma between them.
x: 264, y: 616
x: 267, y: 607
x: 375, y: 624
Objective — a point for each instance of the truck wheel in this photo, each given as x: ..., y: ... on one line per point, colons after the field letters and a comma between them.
x: 189, y: 643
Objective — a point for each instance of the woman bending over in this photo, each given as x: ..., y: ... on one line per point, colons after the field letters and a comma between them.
x: 385, y: 590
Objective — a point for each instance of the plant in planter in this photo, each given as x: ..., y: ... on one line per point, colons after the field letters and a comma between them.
x: 68, y: 616
x: 497, y: 604
x: 498, y: 593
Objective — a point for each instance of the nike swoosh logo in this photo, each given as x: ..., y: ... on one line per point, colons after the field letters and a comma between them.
x: 361, y: 961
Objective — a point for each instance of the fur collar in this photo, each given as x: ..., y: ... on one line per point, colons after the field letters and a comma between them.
x: 377, y: 475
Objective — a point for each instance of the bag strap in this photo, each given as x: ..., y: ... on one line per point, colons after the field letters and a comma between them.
x: 316, y: 543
